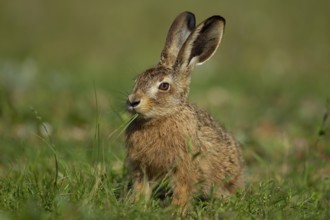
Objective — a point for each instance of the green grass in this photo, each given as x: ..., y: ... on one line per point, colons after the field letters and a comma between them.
x: 70, y: 164
x: 65, y: 72
x: 81, y: 186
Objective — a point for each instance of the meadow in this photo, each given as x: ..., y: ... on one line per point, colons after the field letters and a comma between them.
x: 66, y: 68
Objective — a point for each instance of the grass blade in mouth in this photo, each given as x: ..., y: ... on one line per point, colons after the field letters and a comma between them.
x: 120, y: 130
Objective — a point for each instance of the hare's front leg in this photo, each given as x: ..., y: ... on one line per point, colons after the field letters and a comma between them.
x: 182, y: 190
x: 141, y: 187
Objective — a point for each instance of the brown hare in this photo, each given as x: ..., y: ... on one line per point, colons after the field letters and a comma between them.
x: 172, y: 137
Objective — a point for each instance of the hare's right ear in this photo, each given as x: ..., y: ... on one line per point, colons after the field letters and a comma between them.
x: 179, y: 31
x: 201, y: 44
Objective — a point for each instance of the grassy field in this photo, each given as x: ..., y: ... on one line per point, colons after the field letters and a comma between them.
x: 66, y: 68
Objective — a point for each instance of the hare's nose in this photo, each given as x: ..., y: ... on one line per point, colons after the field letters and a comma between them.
x: 133, y: 101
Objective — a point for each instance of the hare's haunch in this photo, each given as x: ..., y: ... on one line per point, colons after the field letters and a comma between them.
x: 172, y: 137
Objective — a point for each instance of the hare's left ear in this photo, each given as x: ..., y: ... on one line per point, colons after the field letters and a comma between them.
x: 201, y: 44
x: 179, y: 31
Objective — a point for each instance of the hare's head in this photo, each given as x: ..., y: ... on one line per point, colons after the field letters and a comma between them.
x: 161, y: 90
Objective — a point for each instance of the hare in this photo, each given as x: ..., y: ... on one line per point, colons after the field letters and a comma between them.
x: 172, y: 137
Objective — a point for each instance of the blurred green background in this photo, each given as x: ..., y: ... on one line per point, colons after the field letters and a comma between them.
x: 68, y: 66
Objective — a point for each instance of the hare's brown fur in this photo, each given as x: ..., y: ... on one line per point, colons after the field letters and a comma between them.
x: 173, y: 137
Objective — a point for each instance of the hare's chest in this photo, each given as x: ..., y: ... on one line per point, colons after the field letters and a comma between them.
x: 157, y: 150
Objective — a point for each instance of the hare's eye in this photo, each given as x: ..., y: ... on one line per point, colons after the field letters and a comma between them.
x: 164, y: 86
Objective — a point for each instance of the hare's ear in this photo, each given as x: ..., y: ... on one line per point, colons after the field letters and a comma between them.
x: 179, y: 31
x: 202, y: 43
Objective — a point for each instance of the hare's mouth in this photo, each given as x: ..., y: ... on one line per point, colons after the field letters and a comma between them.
x: 133, y: 103
x: 140, y: 111
x: 141, y: 107
x: 131, y: 109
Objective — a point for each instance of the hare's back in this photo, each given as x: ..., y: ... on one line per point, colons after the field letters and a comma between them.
x: 222, y: 156
x: 211, y: 133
